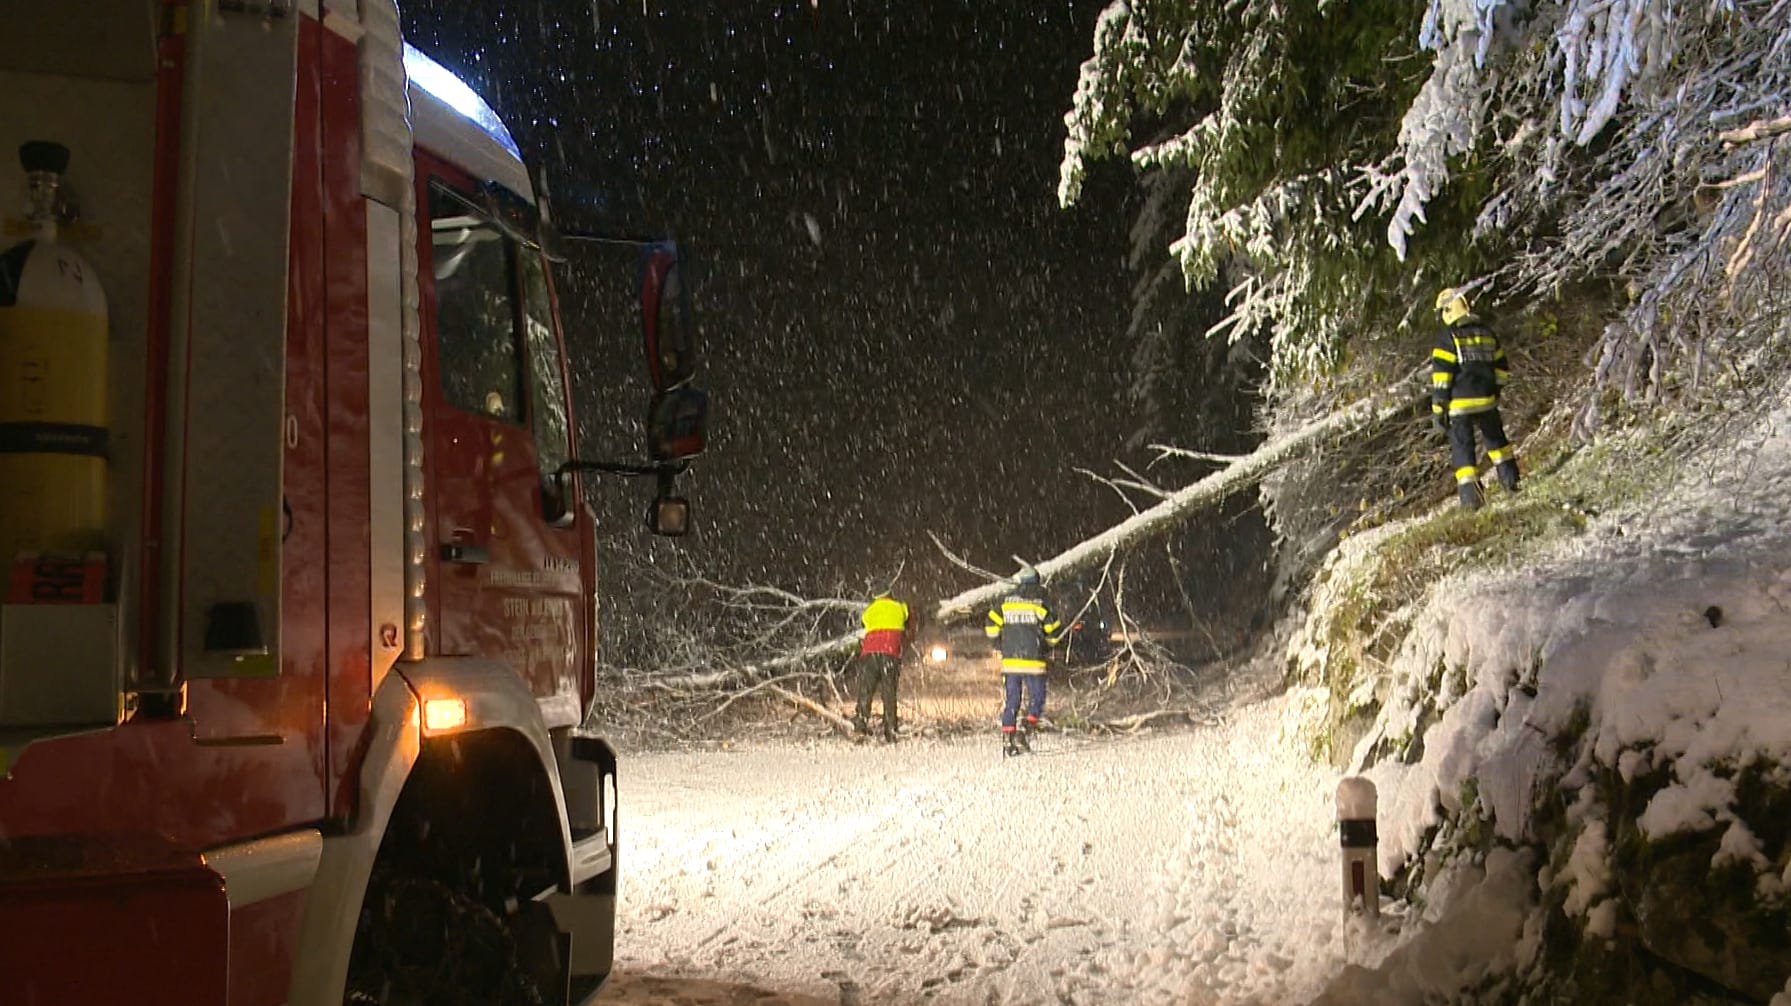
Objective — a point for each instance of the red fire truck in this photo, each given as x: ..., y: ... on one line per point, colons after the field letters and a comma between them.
x: 299, y: 612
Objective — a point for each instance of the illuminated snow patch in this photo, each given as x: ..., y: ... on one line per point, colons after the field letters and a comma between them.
x: 454, y: 92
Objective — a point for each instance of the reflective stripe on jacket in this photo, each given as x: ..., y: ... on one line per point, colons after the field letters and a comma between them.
x: 1026, y: 628
x: 1467, y: 369
x: 885, y: 620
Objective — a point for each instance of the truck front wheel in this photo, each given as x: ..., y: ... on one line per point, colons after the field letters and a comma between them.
x: 422, y: 942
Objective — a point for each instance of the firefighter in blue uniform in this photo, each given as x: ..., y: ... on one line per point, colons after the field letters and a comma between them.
x: 1467, y: 373
x: 1025, y: 629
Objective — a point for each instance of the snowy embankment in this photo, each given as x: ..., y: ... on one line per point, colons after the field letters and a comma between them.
x: 1606, y: 706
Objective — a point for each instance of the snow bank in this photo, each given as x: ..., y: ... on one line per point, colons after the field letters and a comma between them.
x: 1476, y: 935
x: 1653, y: 643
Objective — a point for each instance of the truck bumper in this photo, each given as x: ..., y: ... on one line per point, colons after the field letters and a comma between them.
x: 586, y: 915
x: 110, y: 919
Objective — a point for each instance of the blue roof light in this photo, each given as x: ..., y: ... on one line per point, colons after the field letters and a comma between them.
x: 453, y: 92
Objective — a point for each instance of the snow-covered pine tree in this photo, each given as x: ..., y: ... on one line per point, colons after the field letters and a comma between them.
x: 1243, y: 120
x: 1264, y: 107
x: 1536, y: 145
x: 1185, y: 389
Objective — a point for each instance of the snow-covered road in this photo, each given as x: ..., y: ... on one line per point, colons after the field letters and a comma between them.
x: 1189, y: 867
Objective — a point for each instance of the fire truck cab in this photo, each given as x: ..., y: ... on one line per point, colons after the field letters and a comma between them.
x: 299, y: 617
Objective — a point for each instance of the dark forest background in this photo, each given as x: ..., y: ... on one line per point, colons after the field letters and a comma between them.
x: 902, y: 331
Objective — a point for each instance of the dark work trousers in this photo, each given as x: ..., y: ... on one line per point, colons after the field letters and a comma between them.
x: 1012, y: 684
x: 878, y: 672
x: 1462, y: 454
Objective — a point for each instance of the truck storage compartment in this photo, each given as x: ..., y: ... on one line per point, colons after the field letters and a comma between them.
x: 99, y: 920
x: 77, y: 145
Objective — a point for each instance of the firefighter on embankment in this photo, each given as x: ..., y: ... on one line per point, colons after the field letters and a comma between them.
x: 880, y: 661
x: 1025, y: 629
x: 1467, y: 373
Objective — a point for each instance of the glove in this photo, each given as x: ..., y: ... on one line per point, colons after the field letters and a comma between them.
x: 1439, y: 423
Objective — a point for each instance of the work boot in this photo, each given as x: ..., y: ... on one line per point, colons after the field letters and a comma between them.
x: 1508, y: 475
x: 1010, y: 743
x: 1470, y: 495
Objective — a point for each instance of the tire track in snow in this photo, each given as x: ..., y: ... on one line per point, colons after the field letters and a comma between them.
x: 804, y: 861
x: 918, y: 817
x: 898, y: 905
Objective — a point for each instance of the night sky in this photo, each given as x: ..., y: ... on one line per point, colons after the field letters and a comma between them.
x: 901, y: 330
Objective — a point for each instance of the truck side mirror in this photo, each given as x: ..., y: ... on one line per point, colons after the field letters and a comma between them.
x: 669, y: 337
x: 677, y: 415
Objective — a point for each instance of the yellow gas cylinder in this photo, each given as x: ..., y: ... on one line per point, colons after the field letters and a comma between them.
x: 53, y: 386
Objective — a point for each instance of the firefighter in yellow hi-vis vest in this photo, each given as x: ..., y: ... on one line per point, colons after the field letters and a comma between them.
x: 880, y: 661
x: 1467, y: 373
x: 1025, y: 629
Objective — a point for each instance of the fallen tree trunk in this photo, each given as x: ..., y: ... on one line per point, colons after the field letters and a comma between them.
x: 1179, y: 506
x: 1240, y: 474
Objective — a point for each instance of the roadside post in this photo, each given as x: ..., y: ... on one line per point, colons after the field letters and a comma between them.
x: 1355, y: 830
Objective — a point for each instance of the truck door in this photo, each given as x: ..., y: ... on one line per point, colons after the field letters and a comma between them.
x: 505, y: 577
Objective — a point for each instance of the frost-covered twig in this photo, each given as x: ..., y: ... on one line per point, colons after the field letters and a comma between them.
x: 1137, y: 483
x: 1759, y: 129
x: 1165, y: 451
x: 961, y: 562
x: 1118, y: 486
